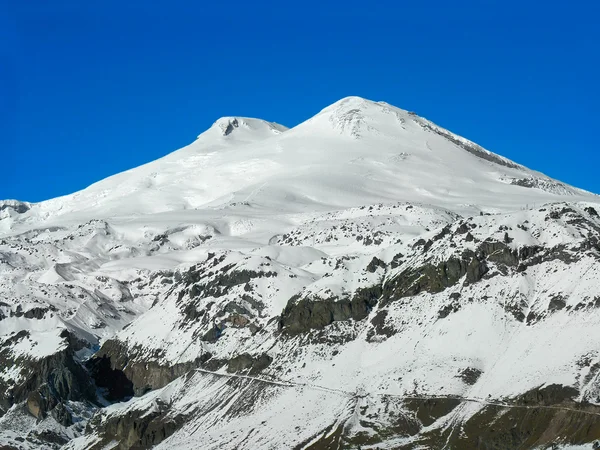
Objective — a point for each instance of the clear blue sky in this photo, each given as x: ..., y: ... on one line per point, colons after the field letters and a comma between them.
x: 88, y: 89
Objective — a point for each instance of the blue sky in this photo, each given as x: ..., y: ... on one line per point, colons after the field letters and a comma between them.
x: 88, y: 89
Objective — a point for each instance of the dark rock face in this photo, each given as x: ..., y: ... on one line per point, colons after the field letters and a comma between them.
x: 516, y: 310
x: 557, y: 214
x: 474, y: 266
x: 213, y: 334
x: 559, y: 252
x: 50, y: 437
x: 222, y: 282
x: 375, y: 264
x: 33, y: 313
x: 524, y: 182
x: 548, y: 395
x: 145, y: 373
x: 47, y: 381
x: 397, y: 260
x: 204, y: 283
x: 18, y: 207
x: 447, y: 310
x: 556, y: 303
x: 232, y: 125
x: 306, y: 314
x: 435, y: 278
x: 137, y: 429
x: 539, y: 183
x: 430, y: 410
x: 248, y: 363
x: 380, y: 326
x: 114, y: 381
x: 498, y: 252
x: 62, y: 415
x: 300, y: 316
x: 527, y: 252
x: 463, y: 228
x: 470, y: 375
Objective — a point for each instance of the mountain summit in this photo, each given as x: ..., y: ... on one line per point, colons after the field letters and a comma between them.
x: 353, y: 152
x: 365, y: 279
x: 256, y: 128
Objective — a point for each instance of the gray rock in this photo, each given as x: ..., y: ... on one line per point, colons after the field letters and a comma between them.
x: 248, y: 363
x: 303, y: 315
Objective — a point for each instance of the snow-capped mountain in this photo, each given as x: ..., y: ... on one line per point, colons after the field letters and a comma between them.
x: 366, y: 279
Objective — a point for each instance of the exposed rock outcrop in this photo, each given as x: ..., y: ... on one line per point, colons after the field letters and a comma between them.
x: 47, y: 381
x: 249, y: 364
x: 137, y: 429
x: 302, y: 315
x: 144, y: 374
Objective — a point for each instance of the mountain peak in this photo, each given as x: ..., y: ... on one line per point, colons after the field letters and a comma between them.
x: 356, y: 116
x: 352, y: 152
x: 351, y: 103
x: 236, y: 126
x: 227, y: 124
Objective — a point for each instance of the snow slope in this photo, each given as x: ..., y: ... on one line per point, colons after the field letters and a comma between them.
x: 353, y: 153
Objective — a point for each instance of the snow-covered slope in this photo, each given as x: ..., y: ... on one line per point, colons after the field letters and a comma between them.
x: 365, y: 278
x: 353, y: 153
